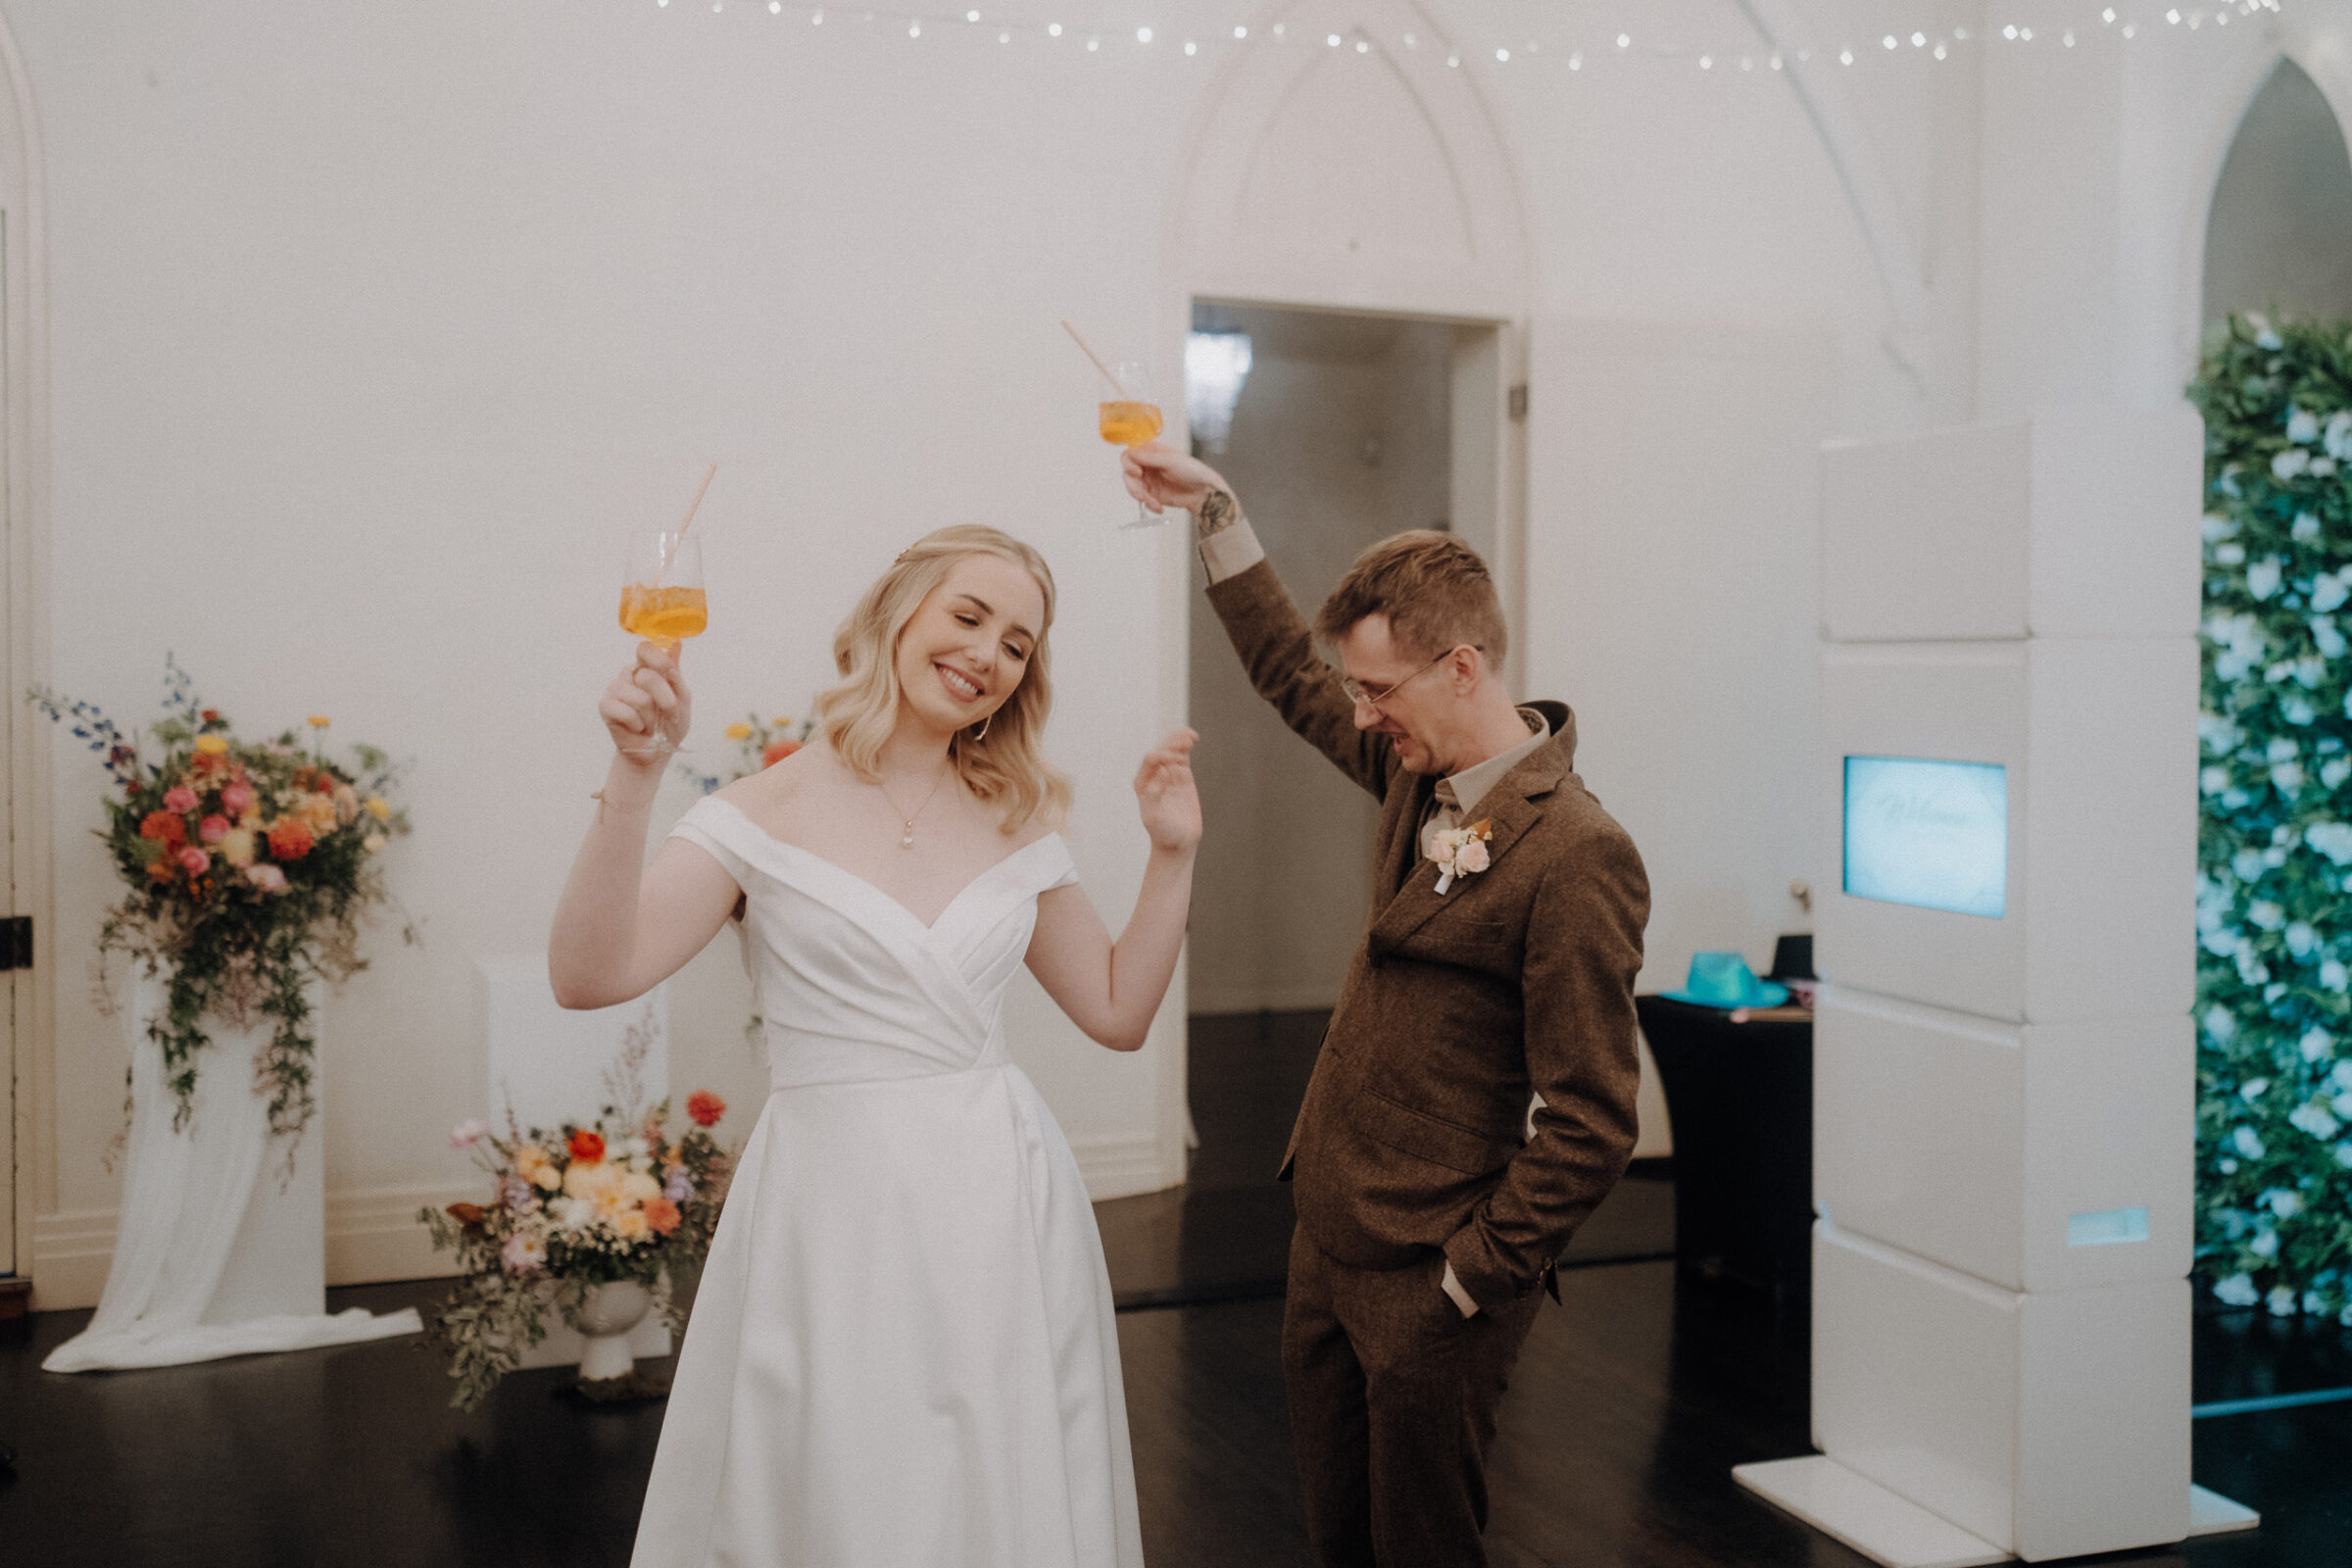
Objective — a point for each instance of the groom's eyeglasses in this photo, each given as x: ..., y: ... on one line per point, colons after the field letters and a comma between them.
x: 1374, y: 696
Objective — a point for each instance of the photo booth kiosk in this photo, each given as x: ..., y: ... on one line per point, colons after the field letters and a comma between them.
x: 2004, y: 1080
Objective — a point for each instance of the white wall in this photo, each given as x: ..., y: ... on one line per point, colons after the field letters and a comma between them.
x: 374, y: 328
x: 371, y: 329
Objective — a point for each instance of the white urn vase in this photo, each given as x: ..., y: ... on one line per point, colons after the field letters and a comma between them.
x: 604, y: 1315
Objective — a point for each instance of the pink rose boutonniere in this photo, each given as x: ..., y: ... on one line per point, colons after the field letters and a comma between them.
x: 1461, y: 852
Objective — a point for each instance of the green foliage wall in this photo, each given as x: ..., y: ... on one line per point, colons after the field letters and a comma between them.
x: 2274, y: 847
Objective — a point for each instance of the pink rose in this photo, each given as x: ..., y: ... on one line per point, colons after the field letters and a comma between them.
x: 194, y: 860
x: 237, y: 798
x: 180, y: 799
x: 269, y: 878
x: 213, y: 829
x: 1471, y: 858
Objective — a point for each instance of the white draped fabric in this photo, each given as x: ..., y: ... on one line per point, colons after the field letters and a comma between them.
x: 902, y: 1354
x: 219, y: 1251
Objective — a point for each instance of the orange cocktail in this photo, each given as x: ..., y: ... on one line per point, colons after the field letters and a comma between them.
x: 664, y: 615
x: 1129, y: 425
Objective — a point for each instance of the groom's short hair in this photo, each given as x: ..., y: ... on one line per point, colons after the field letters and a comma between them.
x: 1435, y: 590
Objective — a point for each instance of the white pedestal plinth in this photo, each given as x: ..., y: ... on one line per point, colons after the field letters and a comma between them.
x: 220, y: 1250
x: 1892, y: 1530
x: 1860, y: 1513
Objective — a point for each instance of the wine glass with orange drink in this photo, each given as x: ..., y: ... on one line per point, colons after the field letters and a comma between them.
x: 1131, y: 419
x: 661, y: 598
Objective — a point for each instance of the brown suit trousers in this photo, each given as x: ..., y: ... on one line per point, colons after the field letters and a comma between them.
x: 1410, y: 1152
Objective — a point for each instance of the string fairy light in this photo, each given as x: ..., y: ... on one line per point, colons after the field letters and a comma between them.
x: 2121, y: 22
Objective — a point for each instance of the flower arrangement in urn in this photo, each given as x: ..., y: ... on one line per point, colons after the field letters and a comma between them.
x: 759, y: 744
x: 249, y: 867
x: 617, y: 1202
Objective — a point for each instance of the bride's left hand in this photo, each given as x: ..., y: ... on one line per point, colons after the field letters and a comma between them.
x: 1163, y: 787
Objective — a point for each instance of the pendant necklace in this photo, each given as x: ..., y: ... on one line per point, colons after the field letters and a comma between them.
x: 907, y: 818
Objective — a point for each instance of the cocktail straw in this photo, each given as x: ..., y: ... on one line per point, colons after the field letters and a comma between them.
x: 1116, y: 384
x: 692, y: 507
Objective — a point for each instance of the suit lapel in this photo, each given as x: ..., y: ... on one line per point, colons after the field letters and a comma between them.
x: 1511, y: 807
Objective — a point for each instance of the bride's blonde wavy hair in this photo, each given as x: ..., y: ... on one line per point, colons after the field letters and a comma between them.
x: 1000, y: 761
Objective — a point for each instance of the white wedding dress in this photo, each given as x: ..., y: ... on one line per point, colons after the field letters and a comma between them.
x: 902, y: 1354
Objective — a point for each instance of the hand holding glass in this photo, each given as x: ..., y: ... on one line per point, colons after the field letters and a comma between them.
x: 1130, y: 421
x: 661, y: 600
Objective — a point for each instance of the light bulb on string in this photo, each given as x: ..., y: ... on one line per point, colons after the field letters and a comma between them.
x: 971, y: 16
x: 1004, y: 36
x: 1940, y: 51
x: 1053, y: 29
x: 1092, y: 45
x: 1919, y: 40
x: 1775, y: 62
x: 1362, y: 47
x: 1625, y: 40
x: 816, y: 19
x: 1143, y: 35
x: 1845, y: 57
x: 1576, y: 60
x: 2069, y: 40
x: 1889, y: 40
x: 914, y: 29
x: 1706, y: 61
x: 1241, y: 33
x: 1503, y: 57
x: 1453, y: 62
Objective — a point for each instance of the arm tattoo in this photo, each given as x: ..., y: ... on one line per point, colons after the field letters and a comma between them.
x: 1218, y: 512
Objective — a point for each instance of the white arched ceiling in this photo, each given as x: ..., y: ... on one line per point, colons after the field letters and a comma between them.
x: 1868, y: 188
x: 1363, y: 174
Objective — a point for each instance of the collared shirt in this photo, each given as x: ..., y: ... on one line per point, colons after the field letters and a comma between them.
x: 1459, y: 792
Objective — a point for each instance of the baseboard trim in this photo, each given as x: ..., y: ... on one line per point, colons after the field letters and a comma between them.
x: 1124, y: 1167
x: 371, y: 1235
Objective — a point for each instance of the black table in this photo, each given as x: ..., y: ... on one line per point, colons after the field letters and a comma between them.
x: 1740, y: 1095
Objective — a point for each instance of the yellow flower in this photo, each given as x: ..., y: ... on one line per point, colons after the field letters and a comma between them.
x: 373, y: 843
x: 211, y: 745
x: 637, y: 1187
x: 782, y: 723
x: 379, y: 808
x: 319, y: 721
x: 739, y: 731
x: 236, y: 846
x: 317, y: 813
x: 631, y: 1225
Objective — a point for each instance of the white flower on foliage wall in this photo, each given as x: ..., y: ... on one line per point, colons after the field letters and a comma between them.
x: 2274, y: 782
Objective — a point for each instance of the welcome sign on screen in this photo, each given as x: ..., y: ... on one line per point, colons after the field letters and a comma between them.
x: 1933, y: 835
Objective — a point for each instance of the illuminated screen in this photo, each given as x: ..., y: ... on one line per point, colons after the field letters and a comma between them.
x: 1934, y: 835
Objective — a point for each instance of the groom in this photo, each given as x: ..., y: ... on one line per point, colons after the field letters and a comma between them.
x: 1427, y: 1219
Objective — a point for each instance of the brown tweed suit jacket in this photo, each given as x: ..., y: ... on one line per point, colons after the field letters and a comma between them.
x: 1519, y: 979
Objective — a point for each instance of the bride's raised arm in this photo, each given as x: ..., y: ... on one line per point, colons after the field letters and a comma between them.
x: 622, y: 927
x: 1111, y: 990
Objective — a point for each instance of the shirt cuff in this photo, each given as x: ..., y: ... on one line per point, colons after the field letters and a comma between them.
x: 1230, y: 552
x: 1460, y: 1297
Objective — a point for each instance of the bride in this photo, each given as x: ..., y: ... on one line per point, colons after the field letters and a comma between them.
x: 902, y: 1352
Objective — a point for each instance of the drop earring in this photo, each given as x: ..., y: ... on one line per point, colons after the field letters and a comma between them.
x: 984, y: 723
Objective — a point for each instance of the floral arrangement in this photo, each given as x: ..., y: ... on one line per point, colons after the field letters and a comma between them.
x: 249, y: 867
x: 759, y: 744
x: 570, y: 1208
x: 1461, y: 852
x: 2275, y: 845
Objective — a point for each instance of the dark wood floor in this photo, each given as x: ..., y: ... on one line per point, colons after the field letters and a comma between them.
x: 1632, y: 1401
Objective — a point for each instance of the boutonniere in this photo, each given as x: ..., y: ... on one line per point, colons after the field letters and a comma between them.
x: 1461, y: 852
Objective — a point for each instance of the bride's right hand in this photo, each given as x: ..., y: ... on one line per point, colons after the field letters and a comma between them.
x: 647, y: 708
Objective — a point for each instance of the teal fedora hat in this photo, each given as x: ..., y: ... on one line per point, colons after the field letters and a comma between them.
x: 1724, y: 980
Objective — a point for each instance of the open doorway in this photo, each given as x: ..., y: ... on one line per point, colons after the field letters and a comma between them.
x: 1336, y: 431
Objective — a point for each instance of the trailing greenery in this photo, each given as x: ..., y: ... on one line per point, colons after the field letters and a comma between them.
x: 2275, y: 845
x: 249, y: 867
